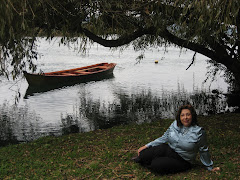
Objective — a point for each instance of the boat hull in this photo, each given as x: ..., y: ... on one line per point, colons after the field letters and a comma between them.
x: 58, y: 79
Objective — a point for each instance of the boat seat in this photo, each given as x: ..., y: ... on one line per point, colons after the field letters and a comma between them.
x: 69, y: 74
x: 102, y: 67
x: 92, y: 69
x: 83, y: 72
x: 79, y: 71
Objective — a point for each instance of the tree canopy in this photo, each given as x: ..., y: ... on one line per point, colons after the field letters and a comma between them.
x: 209, y: 27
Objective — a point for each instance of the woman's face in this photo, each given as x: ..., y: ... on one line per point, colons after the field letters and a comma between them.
x: 186, y: 117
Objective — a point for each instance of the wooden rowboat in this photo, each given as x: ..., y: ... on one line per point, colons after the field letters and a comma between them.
x: 70, y: 76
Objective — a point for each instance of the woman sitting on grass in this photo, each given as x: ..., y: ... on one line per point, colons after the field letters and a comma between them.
x: 176, y: 150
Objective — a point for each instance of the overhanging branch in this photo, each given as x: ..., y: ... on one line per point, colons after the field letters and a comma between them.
x: 225, y: 60
x: 189, y: 45
x: 165, y: 34
x: 120, y: 41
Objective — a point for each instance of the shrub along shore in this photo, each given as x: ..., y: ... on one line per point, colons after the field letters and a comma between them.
x: 106, y: 154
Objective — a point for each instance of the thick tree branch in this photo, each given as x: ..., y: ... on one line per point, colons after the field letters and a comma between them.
x: 231, y: 63
x: 220, y: 57
x: 213, y: 53
x: 120, y: 41
x: 192, y: 46
x: 186, y: 44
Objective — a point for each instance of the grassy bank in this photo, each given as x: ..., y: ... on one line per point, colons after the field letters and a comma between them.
x: 106, y: 154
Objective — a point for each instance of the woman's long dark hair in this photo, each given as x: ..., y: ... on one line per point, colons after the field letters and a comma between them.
x: 193, y: 112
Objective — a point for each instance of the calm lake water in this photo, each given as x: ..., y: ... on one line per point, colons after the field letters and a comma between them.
x: 139, y: 92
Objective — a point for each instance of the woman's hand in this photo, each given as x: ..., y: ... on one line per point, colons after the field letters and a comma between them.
x: 141, y: 148
x: 216, y: 169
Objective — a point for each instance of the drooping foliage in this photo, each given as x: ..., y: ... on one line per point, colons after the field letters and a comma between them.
x: 209, y: 27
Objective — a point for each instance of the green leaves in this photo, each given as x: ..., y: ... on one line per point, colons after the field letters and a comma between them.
x: 196, y: 22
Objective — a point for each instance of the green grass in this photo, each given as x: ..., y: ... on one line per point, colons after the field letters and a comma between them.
x: 106, y: 154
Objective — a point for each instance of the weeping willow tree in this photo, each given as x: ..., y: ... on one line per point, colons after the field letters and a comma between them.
x: 208, y: 27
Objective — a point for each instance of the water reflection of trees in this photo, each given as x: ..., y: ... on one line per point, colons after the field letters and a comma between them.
x: 19, y: 124
x: 6, y: 131
x: 141, y: 107
x: 15, y: 124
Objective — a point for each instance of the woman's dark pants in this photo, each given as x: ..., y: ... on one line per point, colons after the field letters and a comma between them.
x: 163, y: 159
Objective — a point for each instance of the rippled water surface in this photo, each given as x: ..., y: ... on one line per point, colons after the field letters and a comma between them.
x: 139, y: 92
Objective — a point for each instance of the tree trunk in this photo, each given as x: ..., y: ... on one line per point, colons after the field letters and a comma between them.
x: 235, y: 69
